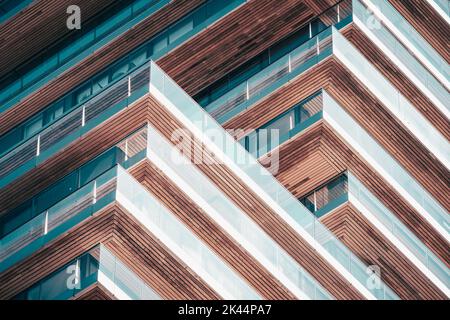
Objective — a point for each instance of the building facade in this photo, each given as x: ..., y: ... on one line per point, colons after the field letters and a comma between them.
x: 209, y: 149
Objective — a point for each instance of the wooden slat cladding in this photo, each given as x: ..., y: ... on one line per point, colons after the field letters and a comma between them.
x: 427, y: 22
x: 340, y: 157
x: 124, y: 237
x: 398, y: 79
x: 237, y: 38
x: 374, y: 249
x: 38, y: 26
x: 210, y: 232
x: 95, y: 62
x: 251, y: 203
x: 366, y: 109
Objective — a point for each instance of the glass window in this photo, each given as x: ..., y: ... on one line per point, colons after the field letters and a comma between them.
x: 54, y: 112
x: 97, y: 166
x: 302, y: 115
x: 215, y: 6
x: 288, y: 44
x: 57, y: 192
x: 252, y: 144
x: 56, y: 284
x: 160, y: 43
x: 138, y: 59
x: 284, y: 124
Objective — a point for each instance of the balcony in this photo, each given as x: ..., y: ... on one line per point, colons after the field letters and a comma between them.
x: 76, y: 51
x: 159, y: 45
x: 117, y: 186
x: 347, y: 188
x: 178, y: 167
x: 329, y: 43
x: 323, y: 106
x: 97, y: 266
x: 261, y: 181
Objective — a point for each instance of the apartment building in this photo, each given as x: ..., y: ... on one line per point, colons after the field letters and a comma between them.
x: 209, y: 149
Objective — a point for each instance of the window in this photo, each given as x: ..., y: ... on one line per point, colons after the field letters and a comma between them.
x: 11, y: 139
x: 54, y: 112
x: 82, y: 94
x: 97, y: 166
x: 138, y: 59
x: 160, y: 43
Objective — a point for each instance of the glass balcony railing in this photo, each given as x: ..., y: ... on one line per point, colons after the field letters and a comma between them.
x: 117, y: 185
x: 347, y: 187
x: 77, y: 50
x: 410, y: 37
x: 415, y: 250
x: 126, y: 152
x: 73, y: 125
x: 233, y: 220
x: 400, y: 55
x: 165, y: 41
x: 328, y: 197
x: 98, y: 265
x: 45, y: 227
x: 262, y: 182
x: 9, y: 8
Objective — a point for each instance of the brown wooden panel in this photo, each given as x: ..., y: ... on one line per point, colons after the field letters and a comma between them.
x: 94, y: 292
x: 365, y: 108
x: 254, y: 206
x: 428, y: 22
x: 340, y: 157
x: 237, y: 38
x: 373, y: 248
x: 61, y: 251
x: 210, y: 232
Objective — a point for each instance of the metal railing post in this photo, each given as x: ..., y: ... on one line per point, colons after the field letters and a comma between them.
x: 38, y: 146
